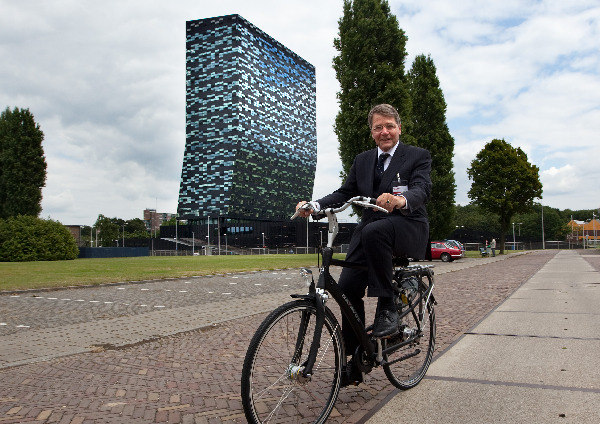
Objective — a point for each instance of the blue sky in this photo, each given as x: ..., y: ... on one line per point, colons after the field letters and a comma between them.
x: 106, y: 82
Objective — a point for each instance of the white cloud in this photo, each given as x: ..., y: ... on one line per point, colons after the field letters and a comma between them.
x: 106, y: 82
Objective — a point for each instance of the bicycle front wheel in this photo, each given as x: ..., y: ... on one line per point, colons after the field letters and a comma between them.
x: 407, y: 366
x: 273, y: 388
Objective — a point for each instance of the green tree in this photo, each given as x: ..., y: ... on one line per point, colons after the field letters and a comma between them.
x: 170, y: 222
x: 504, y: 182
x: 136, y: 228
x: 108, y: 230
x: 22, y: 164
x: 29, y: 238
x: 471, y: 220
x: 431, y: 132
x: 370, y: 70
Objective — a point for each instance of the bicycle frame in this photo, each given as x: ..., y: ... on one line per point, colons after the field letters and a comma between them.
x: 326, y: 283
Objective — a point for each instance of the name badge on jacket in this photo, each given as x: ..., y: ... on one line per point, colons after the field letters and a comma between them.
x: 399, y: 186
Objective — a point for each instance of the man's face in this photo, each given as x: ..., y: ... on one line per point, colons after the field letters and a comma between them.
x: 385, y: 131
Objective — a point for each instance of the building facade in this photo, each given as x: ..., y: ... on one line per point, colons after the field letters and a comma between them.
x: 153, y: 219
x: 251, y: 144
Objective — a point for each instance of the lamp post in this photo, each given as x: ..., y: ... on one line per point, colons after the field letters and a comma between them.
x: 123, y: 235
x: 543, y: 239
x: 594, y: 227
x: 263, y: 244
x: 193, y: 243
x: 514, y: 240
x: 307, y: 219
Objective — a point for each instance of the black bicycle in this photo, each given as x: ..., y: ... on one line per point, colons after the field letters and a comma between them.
x: 294, y: 364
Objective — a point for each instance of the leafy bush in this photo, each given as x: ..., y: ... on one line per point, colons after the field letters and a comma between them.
x: 28, y: 238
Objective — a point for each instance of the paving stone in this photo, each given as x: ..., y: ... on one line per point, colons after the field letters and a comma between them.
x: 182, y: 363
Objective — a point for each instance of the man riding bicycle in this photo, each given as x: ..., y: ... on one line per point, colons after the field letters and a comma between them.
x: 398, y: 176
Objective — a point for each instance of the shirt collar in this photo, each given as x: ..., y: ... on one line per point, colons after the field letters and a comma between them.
x: 391, y: 151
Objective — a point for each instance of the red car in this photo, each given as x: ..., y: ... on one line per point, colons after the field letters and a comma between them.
x: 445, y: 251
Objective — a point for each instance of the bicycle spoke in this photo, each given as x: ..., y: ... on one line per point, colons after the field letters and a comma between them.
x: 273, y: 386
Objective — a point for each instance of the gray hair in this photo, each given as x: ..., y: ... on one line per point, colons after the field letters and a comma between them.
x: 385, y: 110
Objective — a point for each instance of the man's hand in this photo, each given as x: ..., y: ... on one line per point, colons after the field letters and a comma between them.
x: 390, y: 202
x: 303, y: 212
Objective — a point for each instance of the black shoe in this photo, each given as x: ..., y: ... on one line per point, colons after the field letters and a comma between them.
x: 386, y: 324
x: 351, y: 375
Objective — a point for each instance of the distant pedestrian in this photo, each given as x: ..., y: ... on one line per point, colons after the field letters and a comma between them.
x: 493, y: 246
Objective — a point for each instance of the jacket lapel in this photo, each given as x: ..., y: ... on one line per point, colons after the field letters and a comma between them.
x: 370, y: 169
x: 393, y: 168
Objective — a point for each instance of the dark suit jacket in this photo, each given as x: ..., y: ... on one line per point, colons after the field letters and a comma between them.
x: 410, y: 167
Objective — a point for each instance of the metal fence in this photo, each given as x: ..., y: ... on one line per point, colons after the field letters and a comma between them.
x: 214, y: 251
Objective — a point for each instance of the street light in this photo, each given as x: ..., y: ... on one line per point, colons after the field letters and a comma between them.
x: 193, y: 243
x: 543, y: 235
x: 176, y: 238
x: 263, y: 236
x: 594, y: 227
x: 514, y: 240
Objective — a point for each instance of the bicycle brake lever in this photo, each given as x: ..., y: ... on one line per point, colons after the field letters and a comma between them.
x: 305, y: 206
x: 370, y: 205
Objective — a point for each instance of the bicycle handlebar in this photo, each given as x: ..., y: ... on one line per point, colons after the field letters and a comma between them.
x: 362, y: 201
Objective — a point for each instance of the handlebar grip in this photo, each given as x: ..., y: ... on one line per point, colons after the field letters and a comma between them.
x: 304, y: 206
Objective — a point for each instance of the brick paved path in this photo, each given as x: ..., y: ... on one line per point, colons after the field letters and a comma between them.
x: 193, y: 376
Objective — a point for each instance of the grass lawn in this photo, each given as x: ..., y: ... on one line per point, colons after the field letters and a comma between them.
x: 31, y: 275
x: 35, y: 275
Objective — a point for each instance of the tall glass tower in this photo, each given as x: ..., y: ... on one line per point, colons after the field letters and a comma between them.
x: 251, y: 143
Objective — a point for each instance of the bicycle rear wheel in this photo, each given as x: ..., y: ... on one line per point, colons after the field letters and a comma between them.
x: 413, y: 359
x: 273, y: 389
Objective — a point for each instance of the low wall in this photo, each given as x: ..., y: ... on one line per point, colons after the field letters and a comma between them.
x: 113, y: 252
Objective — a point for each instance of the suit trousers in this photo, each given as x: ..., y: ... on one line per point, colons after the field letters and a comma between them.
x: 371, y: 245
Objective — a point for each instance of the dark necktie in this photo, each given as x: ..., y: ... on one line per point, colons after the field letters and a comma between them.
x: 379, y: 168
x: 380, y: 162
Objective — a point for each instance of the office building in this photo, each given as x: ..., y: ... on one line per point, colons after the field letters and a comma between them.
x: 251, y: 146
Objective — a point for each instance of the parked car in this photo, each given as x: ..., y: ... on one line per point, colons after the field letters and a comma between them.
x: 455, y: 243
x: 445, y: 251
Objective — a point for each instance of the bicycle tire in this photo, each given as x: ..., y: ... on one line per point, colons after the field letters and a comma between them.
x: 407, y: 373
x: 270, y: 394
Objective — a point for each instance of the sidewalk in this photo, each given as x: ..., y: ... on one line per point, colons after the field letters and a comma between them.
x: 534, y: 359
x: 175, y: 353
